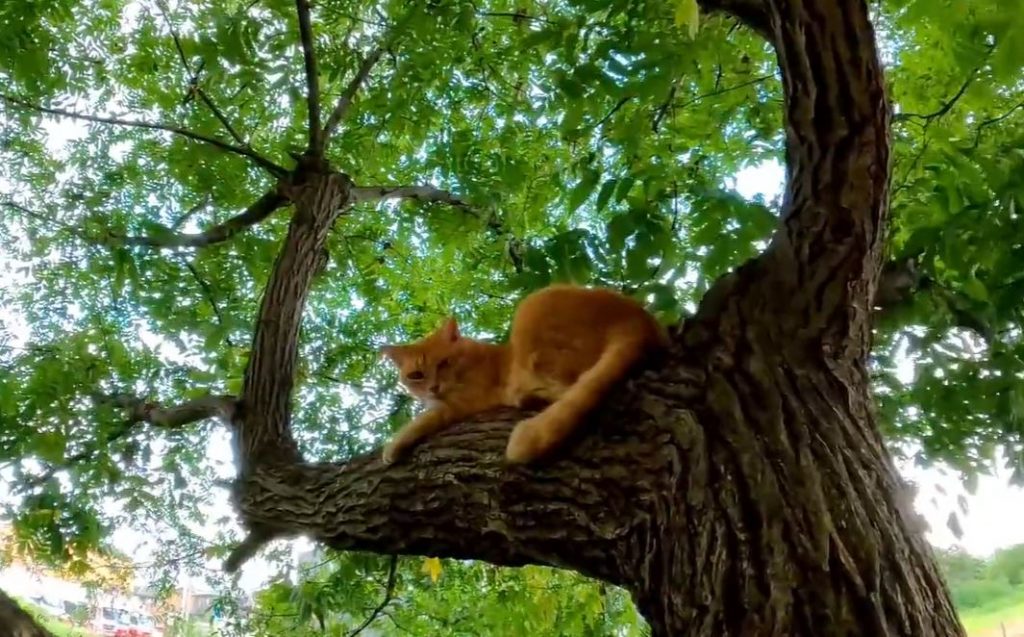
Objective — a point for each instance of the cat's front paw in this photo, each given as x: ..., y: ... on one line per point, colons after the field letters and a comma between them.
x: 529, y: 440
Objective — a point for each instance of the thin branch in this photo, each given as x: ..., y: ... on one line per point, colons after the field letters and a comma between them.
x: 994, y: 120
x: 162, y: 6
x: 312, y: 77
x: 946, y: 107
x: 348, y: 95
x: 191, y: 212
x: 210, y: 298
x: 728, y: 89
x: 194, y: 79
x: 659, y: 115
x: 38, y: 216
x: 138, y: 410
x: 388, y: 593
x: 264, y: 163
x: 428, y: 194
x: 220, y: 115
x: 615, y: 109
x: 517, y: 16
x: 345, y: 101
x: 254, y: 214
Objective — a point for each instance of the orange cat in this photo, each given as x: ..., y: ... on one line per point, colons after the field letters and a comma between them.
x: 568, y: 346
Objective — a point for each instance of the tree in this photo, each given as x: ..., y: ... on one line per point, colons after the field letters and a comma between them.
x: 739, y: 487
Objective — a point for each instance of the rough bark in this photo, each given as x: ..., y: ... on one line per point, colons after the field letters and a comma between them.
x: 739, y: 487
x: 319, y: 197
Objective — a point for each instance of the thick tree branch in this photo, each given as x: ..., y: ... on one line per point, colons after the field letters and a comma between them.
x: 263, y: 433
x: 254, y: 214
x: 823, y: 263
x: 259, y: 160
x: 458, y: 498
x: 312, y: 77
x: 428, y: 194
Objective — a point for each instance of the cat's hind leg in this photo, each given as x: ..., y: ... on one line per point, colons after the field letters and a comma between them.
x: 540, y: 434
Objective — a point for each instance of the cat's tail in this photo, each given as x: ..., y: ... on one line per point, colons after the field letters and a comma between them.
x: 540, y: 434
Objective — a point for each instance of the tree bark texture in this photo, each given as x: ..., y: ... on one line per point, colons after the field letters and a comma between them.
x: 738, y: 487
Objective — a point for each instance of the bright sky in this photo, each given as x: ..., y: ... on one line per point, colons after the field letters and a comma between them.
x: 995, y: 517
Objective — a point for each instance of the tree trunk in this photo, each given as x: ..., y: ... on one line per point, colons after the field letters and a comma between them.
x: 738, y: 488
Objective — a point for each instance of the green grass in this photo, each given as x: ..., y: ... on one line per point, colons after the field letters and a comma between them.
x: 50, y: 623
x: 988, y: 616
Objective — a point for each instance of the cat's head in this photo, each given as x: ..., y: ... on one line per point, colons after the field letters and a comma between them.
x: 425, y: 366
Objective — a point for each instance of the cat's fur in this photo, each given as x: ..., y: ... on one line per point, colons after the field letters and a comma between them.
x: 567, y: 347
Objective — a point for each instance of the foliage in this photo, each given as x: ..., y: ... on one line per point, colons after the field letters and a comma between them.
x: 598, y: 142
x: 977, y: 583
x: 468, y: 599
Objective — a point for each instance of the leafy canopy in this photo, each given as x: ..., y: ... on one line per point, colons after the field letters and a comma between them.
x: 597, y: 142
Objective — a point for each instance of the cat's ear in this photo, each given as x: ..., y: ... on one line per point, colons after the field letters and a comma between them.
x: 450, y: 330
x: 390, y: 352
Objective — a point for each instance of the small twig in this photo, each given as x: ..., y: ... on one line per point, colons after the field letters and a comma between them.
x: 312, y: 77
x: 946, y: 107
x: 44, y: 219
x: 517, y: 16
x: 615, y: 109
x: 264, y: 163
x: 191, y: 212
x: 388, y: 593
x: 659, y: 115
x: 210, y: 298
x: 728, y: 89
x: 995, y: 120
x: 85, y: 455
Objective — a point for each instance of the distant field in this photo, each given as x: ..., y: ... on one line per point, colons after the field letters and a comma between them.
x: 985, y: 621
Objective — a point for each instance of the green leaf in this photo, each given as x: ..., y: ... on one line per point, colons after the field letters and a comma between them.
x: 51, y: 446
x: 976, y: 289
x: 582, y: 190
x: 687, y: 15
x: 605, y: 194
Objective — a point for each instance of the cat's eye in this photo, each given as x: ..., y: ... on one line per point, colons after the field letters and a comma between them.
x: 415, y: 375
